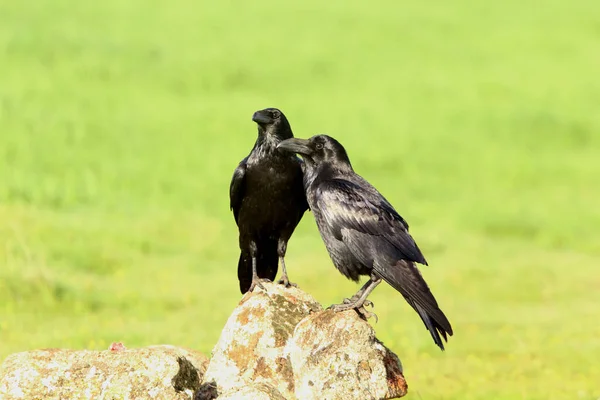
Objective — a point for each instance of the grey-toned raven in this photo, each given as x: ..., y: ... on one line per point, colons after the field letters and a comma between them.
x: 268, y: 201
x: 363, y: 233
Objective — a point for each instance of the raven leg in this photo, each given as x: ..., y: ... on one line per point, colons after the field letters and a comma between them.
x: 281, y: 249
x: 256, y: 281
x: 359, y: 300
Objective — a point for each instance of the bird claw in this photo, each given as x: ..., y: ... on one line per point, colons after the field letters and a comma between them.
x: 364, y: 314
x: 258, y: 282
x: 286, y: 282
x: 348, y: 304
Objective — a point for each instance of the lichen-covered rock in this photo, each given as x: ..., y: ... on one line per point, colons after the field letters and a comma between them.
x: 257, y: 391
x: 154, y: 372
x: 251, y: 347
x: 278, y: 344
x: 282, y: 339
x: 336, y: 356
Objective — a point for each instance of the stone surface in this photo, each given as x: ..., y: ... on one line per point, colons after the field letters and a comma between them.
x: 282, y: 339
x: 251, y: 346
x: 336, y: 356
x: 278, y: 344
x: 154, y: 372
x: 258, y: 391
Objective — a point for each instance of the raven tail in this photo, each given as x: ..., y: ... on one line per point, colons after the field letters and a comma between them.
x: 405, y: 277
x: 434, y: 327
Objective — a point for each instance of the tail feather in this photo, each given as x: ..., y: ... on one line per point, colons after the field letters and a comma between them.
x: 434, y: 328
x: 406, y: 278
x: 267, y: 263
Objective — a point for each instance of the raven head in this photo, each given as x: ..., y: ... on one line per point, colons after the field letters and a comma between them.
x: 318, y: 149
x: 272, y: 122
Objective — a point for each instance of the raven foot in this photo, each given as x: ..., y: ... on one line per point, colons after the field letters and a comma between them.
x: 286, y: 282
x: 353, y: 303
x: 365, y: 314
x: 258, y: 282
x: 284, y: 276
x: 354, y: 300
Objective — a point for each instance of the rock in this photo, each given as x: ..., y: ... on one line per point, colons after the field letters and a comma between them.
x: 155, y: 372
x: 336, y: 356
x: 278, y: 344
x: 251, y: 346
x: 257, y: 391
x: 282, y: 339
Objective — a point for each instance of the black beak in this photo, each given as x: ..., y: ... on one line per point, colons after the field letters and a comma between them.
x: 262, y: 118
x: 295, y: 145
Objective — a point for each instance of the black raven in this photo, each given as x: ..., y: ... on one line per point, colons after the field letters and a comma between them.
x: 363, y: 233
x: 268, y: 201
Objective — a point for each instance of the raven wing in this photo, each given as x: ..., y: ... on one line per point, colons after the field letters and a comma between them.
x: 237, y: 188
x: 347, y: 205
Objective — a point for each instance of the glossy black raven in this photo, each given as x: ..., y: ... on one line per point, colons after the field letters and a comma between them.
x: 268, y: 201
x: 363, y: 233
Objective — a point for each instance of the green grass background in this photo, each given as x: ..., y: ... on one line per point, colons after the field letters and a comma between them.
x: 121, y: 123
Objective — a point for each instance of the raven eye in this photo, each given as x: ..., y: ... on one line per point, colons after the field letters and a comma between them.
x: 275, y: 114
x: 319, y: 146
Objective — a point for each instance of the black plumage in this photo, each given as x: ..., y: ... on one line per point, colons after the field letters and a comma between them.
x: 268, y: 201
x: 363, y: 233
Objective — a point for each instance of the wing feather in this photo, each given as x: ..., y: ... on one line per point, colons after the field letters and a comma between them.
x: 346, y: 205
x: 237, y: 188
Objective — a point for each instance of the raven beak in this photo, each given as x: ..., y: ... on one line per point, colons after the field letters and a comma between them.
x: 262, y: 118
x: 295, y: 145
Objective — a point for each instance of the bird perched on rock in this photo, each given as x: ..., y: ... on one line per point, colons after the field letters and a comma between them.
x: 363, y: 233
x: 268, y: 201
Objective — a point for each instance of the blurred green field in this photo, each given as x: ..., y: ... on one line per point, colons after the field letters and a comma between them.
x: 121, y: 124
